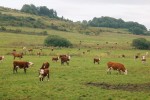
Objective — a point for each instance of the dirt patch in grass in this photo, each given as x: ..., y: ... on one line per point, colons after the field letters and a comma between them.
x: 126, y: 87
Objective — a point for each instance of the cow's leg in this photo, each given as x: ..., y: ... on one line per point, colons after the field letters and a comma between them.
x: 109, y: 71
x: 14, y: 69
x: 48, y: 77
x: 67, y: 63
x: 25, y: 70
x: 98, y: 62
x: 61, y: 62
x: 42, y: 78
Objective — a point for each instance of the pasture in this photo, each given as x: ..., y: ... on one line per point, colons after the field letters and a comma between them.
x: 82, y: 79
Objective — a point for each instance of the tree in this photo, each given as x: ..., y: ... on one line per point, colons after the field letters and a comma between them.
x: 141, y: 43
x: 136, y: 30
x: 29, y: 9
x: 42, y: 10
x: 54, y: 40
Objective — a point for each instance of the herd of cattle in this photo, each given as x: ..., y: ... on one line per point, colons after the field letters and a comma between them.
x: 44, y: 70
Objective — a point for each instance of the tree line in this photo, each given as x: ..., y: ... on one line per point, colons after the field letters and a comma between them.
x: 42, y: 10
x: 110, y: 22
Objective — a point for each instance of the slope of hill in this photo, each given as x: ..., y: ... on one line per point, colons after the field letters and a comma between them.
x: 27, y: 26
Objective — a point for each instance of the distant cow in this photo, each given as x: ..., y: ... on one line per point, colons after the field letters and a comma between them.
x: 136, y: 57
x: 39, y: 54
x: 22, y: 65
x: 19, y: 55
x: 116, y: 66
x: 65, y: 59
x: 123, y: 56
x: 143, y: 59
x: 55, y: 59
x: 1, y: 58
x: 96, y: 60
x: 30, y: 50
x: 44, y: 71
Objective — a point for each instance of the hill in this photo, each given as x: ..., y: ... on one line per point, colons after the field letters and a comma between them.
x: 32, y: 26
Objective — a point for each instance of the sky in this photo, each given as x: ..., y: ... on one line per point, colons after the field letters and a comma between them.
x: 78, y: 10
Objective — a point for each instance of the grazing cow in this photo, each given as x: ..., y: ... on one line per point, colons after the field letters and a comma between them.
x: 143, y: 59
x: 55, y: 59
x: 30, y: 50
x: 136, y: 57
x: 96, y: 60
x: 44, y: 71
x: 65, y: 59
x: 123, y: 56
x: 39, y: 54
x: 24, y: 50
x: 19, y: 55
x: 116, y: 66
x: 22, y: 65
x: 1, y: 58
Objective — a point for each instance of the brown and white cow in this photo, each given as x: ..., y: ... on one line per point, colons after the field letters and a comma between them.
x: 55, y: 59
x: 116, y: 66
x: 44, y: 71
x: 1, y: 58
x: 143, y: 59
x: 96, y: 60
x: 19, y: 55
x: 22, y: 65
x: 39, y: 54
x: 64, y: 59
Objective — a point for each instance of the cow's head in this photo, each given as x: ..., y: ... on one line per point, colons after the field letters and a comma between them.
x: 30, y: 64
x: 69, y: 57
x: 126, y: 72
x: 3, y: 57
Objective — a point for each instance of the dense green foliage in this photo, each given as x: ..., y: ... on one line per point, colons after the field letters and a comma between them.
x: 141, y: 43
x: 9, y: 20
x: 57, y: 41
x: 133, y: 27
x: 42, y: 10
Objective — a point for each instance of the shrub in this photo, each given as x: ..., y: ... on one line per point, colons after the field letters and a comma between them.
x: 141, y: 43
x: 54, y: 40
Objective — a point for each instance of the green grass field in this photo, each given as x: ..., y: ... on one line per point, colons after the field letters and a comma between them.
x: 70, y: 82
x: 75, y: 81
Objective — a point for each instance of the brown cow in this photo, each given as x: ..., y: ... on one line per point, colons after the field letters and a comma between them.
x: 116, y: 66
x: 22, y: 65
x: 96, y: 60
x: 19, y: 55
x: 1, y: 58
x: 55, y: 59
x: 44, y: 71
x: 65, y: 59
x: 39, y: 54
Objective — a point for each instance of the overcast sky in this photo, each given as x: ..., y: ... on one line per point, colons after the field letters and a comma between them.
x: 78, y: 10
